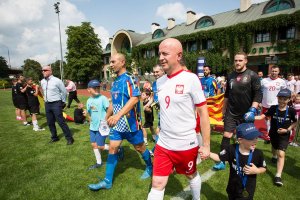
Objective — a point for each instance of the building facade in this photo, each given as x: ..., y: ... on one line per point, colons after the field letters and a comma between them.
x: 268, y: 32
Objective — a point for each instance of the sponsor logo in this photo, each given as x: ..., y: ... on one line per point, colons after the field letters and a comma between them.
x: 191, y: 143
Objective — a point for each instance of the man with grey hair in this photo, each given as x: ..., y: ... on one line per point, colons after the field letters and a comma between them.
x: 55, y: 95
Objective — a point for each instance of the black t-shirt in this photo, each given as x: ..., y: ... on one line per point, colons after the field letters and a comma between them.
x: 149, y: 117
x: 32, y: 100
x: 290, y: 118
x: 235, y: 186
x: 14, y: 91
x: 21, y: 95
x: 78, y: 116
x: 241, y: 90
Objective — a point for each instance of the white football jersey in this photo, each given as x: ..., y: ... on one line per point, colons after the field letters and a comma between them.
x: 178, y: 95
x: 270, y: 88
x: 291, y: 85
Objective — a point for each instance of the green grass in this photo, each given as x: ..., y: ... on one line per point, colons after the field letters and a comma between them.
x: 30, y: 168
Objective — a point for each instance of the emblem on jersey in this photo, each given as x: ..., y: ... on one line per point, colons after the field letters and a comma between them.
x: 277, y: 84
x: 115, y: 95
x: 179, y: 89
x: 223, y: 152
x: 238, y: 78
x: 245, y: 79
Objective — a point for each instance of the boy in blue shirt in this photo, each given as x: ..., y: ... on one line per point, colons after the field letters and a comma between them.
x: 96, y: 107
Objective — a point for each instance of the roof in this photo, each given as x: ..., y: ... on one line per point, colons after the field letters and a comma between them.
x: 221, y: 20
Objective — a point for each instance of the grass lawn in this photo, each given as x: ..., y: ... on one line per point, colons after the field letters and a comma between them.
x: 30, y: 168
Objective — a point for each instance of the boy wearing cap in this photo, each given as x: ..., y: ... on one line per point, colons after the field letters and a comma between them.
x: 245, y: 162
x: 96, y: 107
x: 283, y: 120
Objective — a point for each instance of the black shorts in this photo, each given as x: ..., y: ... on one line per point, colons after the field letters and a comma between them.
x: 280, y: 142
x: 231, y: 122
x: 147, y: 124
x: 35, y: 109
x: 21, y: 102
x: 15, y: 102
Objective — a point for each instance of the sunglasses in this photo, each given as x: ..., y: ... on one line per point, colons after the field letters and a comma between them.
x: 45, y: 70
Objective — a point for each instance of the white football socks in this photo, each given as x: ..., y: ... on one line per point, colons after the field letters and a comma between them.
x: 98, y: 156
x: 195, y: 185
x: 155, y: 194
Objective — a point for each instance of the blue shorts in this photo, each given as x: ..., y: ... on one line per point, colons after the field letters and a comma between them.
x: 132, y: 137
x: 95, y: 136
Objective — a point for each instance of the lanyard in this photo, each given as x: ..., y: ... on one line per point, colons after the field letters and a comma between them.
x: 244, y: 177
x: 286, y: 113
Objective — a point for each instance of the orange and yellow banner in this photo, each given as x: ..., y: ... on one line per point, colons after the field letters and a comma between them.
x: 215, y: 105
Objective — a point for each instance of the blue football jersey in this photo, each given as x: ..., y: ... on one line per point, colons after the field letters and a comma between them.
x: 209, y: 85
x: 122, y: 89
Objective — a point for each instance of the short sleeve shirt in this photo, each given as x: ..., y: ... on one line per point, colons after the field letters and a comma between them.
x: 235, y: 186
x: 270, y: 88
x: 178, y: 95
x: 209, y: 86
x: 96, y: 107
x: 32, y: 100
x: 123, y: 88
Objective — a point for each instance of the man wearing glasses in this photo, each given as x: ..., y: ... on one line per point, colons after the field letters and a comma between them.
x: 55, y: 97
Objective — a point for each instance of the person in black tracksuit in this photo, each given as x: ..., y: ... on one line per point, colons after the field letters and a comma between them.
x: 242, y: 97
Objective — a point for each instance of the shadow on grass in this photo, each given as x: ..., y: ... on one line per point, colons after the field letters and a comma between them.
x: 210, y: 193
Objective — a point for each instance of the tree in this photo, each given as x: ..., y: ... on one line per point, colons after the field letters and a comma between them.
x: 33, y: 69
x: 3, y: 68
x: 84, y: 53
x: 56, y: 68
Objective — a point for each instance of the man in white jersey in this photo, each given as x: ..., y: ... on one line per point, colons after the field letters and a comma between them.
x: 270, y: 87
x: 297, y: 84
x: 179, y: 94
x: 290, y: 84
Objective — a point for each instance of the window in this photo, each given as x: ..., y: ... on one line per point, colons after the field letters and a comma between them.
x: 158, y: 34
x: 207, y: 44
x: 108, y: 47
x: 106, y: 60
x: 262, y: 37
x: 286, y: 33
x: 277, y: 5
x: 203, y: 22
x: 192, y: 46
x: 149, y: 54
x: 125, y: 47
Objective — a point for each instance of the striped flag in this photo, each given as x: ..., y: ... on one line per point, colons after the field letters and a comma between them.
x: 215, y: 105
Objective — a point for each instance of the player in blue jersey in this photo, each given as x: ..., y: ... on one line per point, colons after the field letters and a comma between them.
x: 209, y: 84
x: 123, y: 116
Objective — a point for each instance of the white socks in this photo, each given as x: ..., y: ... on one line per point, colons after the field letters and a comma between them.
x: 35, y: 123
x: 155, y: 194
x: 195, y: 185
x: 98, y: 156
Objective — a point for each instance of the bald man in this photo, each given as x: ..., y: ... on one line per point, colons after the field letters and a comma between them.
x: 179, y: 94
x: 123, y: 115
x: 55, y: 95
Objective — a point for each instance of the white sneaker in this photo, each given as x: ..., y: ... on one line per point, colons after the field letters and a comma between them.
x: 38, y: 129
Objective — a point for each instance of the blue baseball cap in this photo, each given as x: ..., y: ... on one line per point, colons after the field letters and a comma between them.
x: 93, y: 83
x: 284, y: 93
x: 247, y: 131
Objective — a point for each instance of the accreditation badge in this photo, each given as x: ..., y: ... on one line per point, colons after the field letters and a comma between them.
x: 104, y: 128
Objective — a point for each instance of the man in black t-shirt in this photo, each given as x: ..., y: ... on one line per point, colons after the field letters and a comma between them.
x: 79, y: 114
x: 242, y: 97
x: 33, y: 103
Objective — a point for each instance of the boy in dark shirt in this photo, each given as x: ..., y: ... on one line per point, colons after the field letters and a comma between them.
x: 148, y: 113
x: 33, y: 103
x: 283, y: 120
x: 21, y: 98
x: 245, y: 162
x: 79, y: 114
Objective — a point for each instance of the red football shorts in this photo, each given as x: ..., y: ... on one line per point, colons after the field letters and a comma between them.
x: 166, y: 160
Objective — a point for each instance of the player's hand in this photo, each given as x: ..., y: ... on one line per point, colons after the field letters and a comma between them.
x: 113, y: 120
x: 204, y: 152
x: 282, y: 131
x: 250, y: 169
x: 250, y: 115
